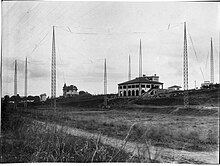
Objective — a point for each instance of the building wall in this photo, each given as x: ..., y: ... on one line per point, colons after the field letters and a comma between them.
x: 70, y: 93
x: 134, y: 89
x: 174, y: 89
x: 43, y: 98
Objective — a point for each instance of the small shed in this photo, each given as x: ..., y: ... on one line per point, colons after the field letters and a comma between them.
x: 174, y: 88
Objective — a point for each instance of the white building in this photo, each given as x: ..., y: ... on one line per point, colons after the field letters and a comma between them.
x: 206, y: 84
x: 174, y: 88
x: 43, y: 97
x: 139, y: 86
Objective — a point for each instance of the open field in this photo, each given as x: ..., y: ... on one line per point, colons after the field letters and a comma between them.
x: 193, y: 131
x: 167, y: 126
x: 23, y: 140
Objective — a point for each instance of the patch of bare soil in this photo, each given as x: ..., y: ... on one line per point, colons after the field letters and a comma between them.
x: 166, y: 154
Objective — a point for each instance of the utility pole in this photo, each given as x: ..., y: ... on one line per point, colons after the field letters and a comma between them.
x: 105, y: 85
x: 53, y: 73
x: 25, y: 85
x: 185, y: 71
x: 211, y: 65
x: 129, y: 69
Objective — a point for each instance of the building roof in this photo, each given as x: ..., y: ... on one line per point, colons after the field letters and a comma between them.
x: 71, y: 87
x: 140, y: 80
x: 175, y: 86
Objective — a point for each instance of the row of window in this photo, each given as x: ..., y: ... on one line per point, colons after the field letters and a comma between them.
x: 134, y: 86
x: 130, y: 93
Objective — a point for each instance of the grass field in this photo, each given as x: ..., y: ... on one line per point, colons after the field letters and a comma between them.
x: 23, y: 141
x: 166, y: 127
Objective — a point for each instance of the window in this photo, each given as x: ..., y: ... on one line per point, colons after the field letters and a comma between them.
x: 124, y: 87
x: 142, y: 86
x: 133, y: 93
x: 133, y: 86
x: 156, y: 86
x: 137, y: 86
x: 148, y: 86
x: 137, y: 92
x: 129, y: 93
x: 129, y: 86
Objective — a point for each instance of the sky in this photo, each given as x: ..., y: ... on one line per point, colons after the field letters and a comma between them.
x: 88, y: 32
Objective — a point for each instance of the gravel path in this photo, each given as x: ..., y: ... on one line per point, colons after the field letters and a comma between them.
x: 167, y: 155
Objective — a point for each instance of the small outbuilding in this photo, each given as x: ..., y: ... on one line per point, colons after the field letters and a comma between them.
x: 43, y: 97
x: 174, y: 88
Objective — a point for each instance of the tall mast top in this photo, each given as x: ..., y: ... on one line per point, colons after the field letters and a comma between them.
x: 140, y: 61
x: 211, y: 64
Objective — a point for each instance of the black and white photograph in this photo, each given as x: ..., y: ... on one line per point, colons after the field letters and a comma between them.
x: 110, y: 82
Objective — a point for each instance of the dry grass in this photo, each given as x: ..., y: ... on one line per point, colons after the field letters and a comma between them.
x: 178, y: 132
x: 35, y: 144
x: 28, y: 142
x: 162, y: 136
x: 164, y: 130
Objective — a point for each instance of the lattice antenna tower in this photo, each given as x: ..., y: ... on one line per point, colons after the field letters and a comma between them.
x: 140, y: 61
x: 129, y: 68
x: 53, y: 73
x: 185, y: 71
x: 105, y: 85
x: 211, y: 64
x: 25, y: 84
x: 15, y: 79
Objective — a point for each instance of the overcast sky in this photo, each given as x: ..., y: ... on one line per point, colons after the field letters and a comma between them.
x: 88, y: 32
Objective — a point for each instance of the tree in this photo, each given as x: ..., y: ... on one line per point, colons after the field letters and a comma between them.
x: 36, y: 99
x: 6, y: 98
x: 83, y: 93
x: 15, y: 98
x: 30, y: 97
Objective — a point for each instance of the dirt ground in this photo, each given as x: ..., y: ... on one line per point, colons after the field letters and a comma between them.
x: 195, y: 126
x: 167, y: 155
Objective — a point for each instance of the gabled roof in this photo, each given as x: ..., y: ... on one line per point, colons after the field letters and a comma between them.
x: 175, y: 86
x: 140, y: 80
x: 71, y: 87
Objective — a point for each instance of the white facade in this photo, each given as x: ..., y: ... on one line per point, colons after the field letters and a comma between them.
x: 205, y: 84
x: 174, y: 88
x: 72, y: 92
x: 43, y: 97
x: 138, y: 86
